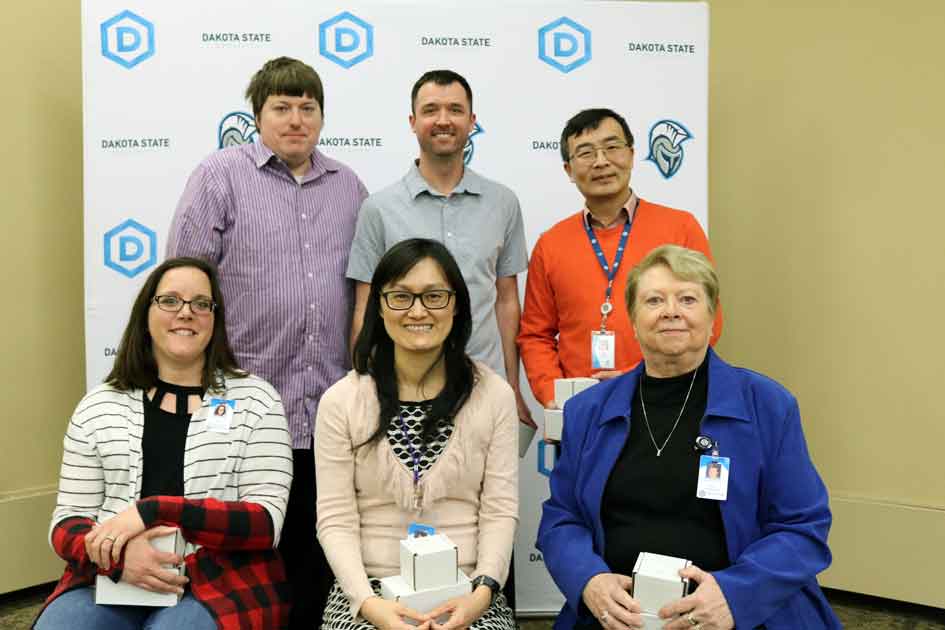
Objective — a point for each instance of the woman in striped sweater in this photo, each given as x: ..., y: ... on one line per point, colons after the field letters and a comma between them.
x: 145, y: 453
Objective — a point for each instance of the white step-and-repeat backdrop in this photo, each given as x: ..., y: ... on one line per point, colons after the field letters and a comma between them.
x: 164, y: 84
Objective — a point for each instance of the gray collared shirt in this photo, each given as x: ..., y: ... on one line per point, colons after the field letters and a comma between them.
x: 481, y: 224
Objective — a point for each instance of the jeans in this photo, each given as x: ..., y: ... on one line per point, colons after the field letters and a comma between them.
x: 77, y: 610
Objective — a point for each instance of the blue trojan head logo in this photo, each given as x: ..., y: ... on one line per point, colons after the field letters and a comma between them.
x: 470, y: 148
x: 345, y: 39
x: 666, y: 150
x: 236, y: 128
x: 127, y: 39
x: 564, y: 44
x: 547, y: 458
x: 130, y: 248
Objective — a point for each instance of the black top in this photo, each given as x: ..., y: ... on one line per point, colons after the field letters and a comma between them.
x: 405, y: 445
x: 650, y: 502
x: 162, y: 444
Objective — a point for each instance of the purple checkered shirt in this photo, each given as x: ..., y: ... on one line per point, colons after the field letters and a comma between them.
x: 282, y: 251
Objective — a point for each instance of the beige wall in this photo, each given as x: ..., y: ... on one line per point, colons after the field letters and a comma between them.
x: 42, y: 367
x: 826, y: 221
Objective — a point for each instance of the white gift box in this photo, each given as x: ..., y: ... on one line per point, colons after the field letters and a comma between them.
x: 656, y: 581
x: 567, y: 387
x: 428, y: 562
x: 124, y: 594
x: 395, y: 588
x: 554, y: 424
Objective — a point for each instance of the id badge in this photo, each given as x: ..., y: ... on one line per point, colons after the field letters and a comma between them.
x: 603, y: 344
x: 221, y: 415
x: 713, y: 477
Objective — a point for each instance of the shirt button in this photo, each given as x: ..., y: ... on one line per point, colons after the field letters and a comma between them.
x: 304, y: 216
x: 449, y: 234
x: 308, y: 367
x: 309, y: 274
x: 311, y: 307
x: 311, y: 337
x: 306, y: 246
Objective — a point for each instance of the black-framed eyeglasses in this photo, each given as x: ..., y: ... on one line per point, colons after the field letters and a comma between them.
x: 403, y: 300
x: 174, y: 304
x: 612, y: 151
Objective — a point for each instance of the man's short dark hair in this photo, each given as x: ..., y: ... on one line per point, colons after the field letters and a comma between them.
x: 587, y: 120
x: 440, y: 77
x: 284, y: 76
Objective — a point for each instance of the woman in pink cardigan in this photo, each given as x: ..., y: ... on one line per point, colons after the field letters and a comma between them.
x: 416, y: 433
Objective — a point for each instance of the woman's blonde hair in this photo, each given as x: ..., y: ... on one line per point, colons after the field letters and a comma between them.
x: 686, y: 264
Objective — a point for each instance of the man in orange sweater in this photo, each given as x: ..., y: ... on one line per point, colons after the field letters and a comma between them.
x: 575, y: 321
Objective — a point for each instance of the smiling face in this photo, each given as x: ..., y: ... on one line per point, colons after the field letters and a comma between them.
x: 290, y: 126
x: 419, y: 329
x: 604, y: 178
x: 442, y: 119
x: 179, y: 339
x: 672, y: 320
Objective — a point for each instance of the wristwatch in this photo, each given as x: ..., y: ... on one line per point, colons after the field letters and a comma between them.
x: 485, y: 580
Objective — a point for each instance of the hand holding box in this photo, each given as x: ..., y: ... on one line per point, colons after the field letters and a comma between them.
x: 656, y: 581
x: 125, y: 594
x: 564, y: 389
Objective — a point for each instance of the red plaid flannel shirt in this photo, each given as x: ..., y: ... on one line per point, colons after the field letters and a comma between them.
x: 236, y: 573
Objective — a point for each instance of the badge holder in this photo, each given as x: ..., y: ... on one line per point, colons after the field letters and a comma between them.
x: 603, y: 342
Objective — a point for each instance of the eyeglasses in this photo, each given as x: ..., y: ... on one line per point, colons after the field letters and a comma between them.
x: 174, y: 304
x: 432, y: 300
x: 612, y: 151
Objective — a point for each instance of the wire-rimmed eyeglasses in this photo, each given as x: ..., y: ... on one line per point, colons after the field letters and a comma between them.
x: 174, y: 304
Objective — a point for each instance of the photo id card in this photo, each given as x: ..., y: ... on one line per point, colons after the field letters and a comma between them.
x: 713, y: 477
x: 603, y: 345
x: 221, y: 415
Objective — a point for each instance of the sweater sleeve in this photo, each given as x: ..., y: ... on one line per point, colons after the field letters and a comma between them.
x: 538, y: 330
x: 498, y: 502
x: 697, y: 240
x: 339, y: 524
x: 221, y: 525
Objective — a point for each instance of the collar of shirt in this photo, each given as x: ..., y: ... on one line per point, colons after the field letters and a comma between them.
x: 321, y: 164
x: 470, y: 183
x: 626, y: 213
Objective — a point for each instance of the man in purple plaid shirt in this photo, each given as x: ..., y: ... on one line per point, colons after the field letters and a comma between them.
x: 277, y: 217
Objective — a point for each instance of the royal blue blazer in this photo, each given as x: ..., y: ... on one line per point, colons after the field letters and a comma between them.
x: 776, y: 516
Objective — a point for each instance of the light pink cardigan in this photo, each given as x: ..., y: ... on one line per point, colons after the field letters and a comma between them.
x: 365, y: 498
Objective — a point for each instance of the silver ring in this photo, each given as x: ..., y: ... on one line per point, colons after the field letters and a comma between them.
x: 692, y: 621
x: 604, y: 616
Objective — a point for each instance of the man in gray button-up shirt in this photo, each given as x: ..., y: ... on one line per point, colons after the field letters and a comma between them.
x: 479, y: 220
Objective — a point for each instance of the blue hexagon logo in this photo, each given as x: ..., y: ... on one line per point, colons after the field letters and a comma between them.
x: 564, y: 44
x: 130, y: 248
x: 345, y: 39
x: 127, y: 39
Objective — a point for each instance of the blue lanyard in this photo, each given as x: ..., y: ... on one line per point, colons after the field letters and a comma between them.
x: 414, y: 454
x: 609, y: 270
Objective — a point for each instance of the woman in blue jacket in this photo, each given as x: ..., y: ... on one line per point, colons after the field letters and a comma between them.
x: 628, y: 479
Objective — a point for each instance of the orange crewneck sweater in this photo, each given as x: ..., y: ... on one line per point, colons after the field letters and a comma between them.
x: 566, y: 287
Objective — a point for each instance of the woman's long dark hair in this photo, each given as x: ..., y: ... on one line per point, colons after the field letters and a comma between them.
x: 374, y: 349
x: 135, y: 367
